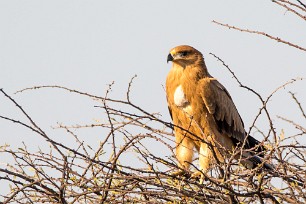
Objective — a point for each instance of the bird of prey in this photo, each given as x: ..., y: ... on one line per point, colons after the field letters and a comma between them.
x: 204, y: 115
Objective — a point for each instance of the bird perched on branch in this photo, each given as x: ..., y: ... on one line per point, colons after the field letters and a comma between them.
x: 204, y: 115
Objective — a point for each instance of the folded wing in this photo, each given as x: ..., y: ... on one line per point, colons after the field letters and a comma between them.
x: 220, y: 104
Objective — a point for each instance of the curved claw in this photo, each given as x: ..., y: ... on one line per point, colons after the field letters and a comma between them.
x: 198, y: 175
x: 195, y: 175
x: 178, y: 173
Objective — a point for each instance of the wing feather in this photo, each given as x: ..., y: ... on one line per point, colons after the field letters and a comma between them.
x: 220, y: 104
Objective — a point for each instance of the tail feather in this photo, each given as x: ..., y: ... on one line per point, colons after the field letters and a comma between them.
x: 256, y: 158
x: 251, y: 161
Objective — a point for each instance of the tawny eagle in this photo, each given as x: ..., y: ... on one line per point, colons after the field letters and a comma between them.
x: 204, y: 115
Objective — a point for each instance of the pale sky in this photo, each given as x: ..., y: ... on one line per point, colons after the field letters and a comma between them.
x: 86, y: 45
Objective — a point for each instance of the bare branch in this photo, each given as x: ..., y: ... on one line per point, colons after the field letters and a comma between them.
x: 261, y: 33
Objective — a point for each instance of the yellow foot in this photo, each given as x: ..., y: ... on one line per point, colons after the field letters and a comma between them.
x: 198, y: 175
x: 178, y: 173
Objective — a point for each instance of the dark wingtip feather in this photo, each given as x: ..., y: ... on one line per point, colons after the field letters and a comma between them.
x: 253, y: 143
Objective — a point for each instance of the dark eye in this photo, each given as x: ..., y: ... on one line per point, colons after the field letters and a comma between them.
x: 184, y: 53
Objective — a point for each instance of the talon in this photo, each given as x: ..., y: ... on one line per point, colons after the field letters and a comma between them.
x: 198, y: 175
x: 178, y: 173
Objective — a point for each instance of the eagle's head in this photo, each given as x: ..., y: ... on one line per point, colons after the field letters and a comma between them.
x: 185, y: 55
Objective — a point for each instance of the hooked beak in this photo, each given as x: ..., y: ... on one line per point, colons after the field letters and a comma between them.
x: 169, y: 58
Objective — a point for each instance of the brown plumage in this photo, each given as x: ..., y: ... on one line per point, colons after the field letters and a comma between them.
x: 203, y: 112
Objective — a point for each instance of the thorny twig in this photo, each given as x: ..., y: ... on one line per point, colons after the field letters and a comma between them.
x: 90, y: 176
x: 261, y: 33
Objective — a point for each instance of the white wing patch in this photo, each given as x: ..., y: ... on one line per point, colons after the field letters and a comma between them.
x: 179, y: 97
x: 181, y: 101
